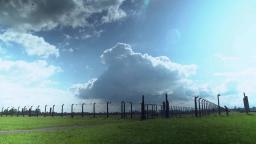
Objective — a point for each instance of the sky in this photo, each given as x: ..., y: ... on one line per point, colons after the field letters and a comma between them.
x: 72, y: 51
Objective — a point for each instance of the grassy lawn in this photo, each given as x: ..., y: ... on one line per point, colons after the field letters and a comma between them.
x: 235, y: 129
x: 21, y: 123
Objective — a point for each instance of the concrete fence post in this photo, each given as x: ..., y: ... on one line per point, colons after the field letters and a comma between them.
x: 196, y: 111
x: 108, y: 102
x: 199, y: 106
x: 62, y: 109
x: 53, y: 110
x: 72, y: 110
x: 142, y: 108
x: 18, y: 111
x: 37, y: 110
x: 94, y: 111
x: 24, y: 110
x: 45, y: 110
x: 83, y: 109
x: 167, y: 106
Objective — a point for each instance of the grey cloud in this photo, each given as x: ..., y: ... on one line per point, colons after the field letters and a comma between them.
x: 48, y: 14
x: 130, y: 74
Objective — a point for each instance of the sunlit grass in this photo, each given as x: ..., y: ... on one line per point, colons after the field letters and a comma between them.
x: 21, y: 123
x: 237, y: 128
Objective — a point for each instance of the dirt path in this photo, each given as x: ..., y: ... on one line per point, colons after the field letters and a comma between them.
x: 46, y: 129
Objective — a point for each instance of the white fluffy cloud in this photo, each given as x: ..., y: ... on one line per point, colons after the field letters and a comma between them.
x: 28, y: 73
x: 30, y: 83
x: 33, y: 45
x: 241, y: 81
x: 49, y: 14
x: 234, y: 84
x: 130, y: 74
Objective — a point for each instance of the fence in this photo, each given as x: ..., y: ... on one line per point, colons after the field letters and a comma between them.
x: 123, y: 110
x: 204, y: 107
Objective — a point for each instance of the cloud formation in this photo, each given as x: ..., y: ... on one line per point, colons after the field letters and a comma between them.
x: 27, y: 73
x: 130, y: 74
x: 33, y: 45
x: 239, y: 81
x: 48, y: 14
x: 30, y: 83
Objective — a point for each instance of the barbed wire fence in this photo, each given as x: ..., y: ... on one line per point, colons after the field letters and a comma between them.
x: 121, y: 110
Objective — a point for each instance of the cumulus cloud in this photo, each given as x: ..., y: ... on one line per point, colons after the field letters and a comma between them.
x: 16, y: 94
x: 30, y: 83
x: 27, y: 72
x: 33, y: 45
x: 234, y: 83
x: 242, y: 80
x: 130, y: 74
x: 48, y: 14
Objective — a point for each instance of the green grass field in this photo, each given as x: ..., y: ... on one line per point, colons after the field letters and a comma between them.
x: 235, y: 129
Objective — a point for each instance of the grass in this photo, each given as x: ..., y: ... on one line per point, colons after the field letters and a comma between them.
x: 235, y: 129
x: 24, y: 123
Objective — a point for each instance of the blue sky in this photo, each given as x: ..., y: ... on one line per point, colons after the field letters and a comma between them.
x: 73, y: 50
